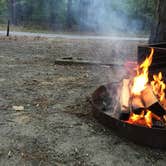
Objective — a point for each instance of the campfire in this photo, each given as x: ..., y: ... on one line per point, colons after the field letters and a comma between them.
x: 136, y: 106
x: 144, y: 99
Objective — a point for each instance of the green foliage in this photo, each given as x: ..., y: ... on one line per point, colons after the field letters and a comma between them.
x: 53, y: 13
x: 3, y: 7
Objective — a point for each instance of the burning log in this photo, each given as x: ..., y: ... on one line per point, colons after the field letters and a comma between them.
x: 137, y: 104
x: 158, y: 124
x: 140, y: 109
x: 124, y: 115
x: 125, y: 95
x: 148, y: 97
x: 151, y: 102
x: 157, y: 109
x: 142, y: 101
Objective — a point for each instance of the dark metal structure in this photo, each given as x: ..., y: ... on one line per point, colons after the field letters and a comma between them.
x: 159, y: 58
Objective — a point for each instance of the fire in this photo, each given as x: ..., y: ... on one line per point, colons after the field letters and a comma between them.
x: 148, y: 118
x: 138, y: 84
x: 142, y: 119
x: 141, y: 80
x: 159, y: 87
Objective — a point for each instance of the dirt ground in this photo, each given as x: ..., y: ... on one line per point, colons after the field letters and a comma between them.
x: 56, y: 126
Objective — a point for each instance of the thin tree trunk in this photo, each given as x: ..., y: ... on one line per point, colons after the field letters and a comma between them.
x: 69, y: 14
x: 145, y: 18
x: 13, y: 11
x: 83, y: 14
x: 158, y: 33
x: 8, y: 28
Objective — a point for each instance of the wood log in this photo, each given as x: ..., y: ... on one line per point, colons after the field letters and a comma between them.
x: 158, y: 124
x: 125, y: 95
x: 72, y: 61
x: 138, y: 111
x: 137, y: 103
x: 124, y: 115
x: 148, y: 97
x: 151, y: 102
x: 157, y: 109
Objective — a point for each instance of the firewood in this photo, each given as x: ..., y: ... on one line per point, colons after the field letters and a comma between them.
x: 148, y: 97
x: 125, y: 95
x: 124, y: 115
x: 157, y: 109
x: 72, y: 61
x: 155, y: 117
x: 151, y: 102
x: 137, y: 104
x: 138, y: 111
x: 158, y: 124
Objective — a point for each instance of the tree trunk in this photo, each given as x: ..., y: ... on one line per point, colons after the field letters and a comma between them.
x: 83, y: 14
x: 145, y: 17
x: 13, y: 11
x: 69, y: 14
x: 53, y: 7
x: 158, y: 33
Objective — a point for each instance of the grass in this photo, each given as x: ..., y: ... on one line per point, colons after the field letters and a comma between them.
x: 38, y: 29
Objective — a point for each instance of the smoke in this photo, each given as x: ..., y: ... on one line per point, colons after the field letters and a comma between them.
x: 109, y: 16
x: 89, y: 15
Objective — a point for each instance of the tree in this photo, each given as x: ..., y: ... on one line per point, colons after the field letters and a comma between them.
x: 83, y: 8
x: 158, y: 33
x: 69, y: 14
x: 12, y: 11
x: 84, y: 15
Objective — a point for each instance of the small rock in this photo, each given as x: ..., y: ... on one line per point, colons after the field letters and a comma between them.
x: 76, y: 150
x: 9, y: 153
x: 18, y: 108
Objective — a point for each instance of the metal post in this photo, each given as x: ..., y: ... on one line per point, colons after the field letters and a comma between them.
x: 8, y: 28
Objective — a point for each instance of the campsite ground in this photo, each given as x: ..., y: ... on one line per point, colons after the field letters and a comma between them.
x: 56, y: 126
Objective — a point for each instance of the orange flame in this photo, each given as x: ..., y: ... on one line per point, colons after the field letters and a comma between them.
x: 144, y: 119
x: 139, y: 83
x: 141, y: 80
x: 137, y: 119
x: 148, y: 118
x: 159, y: 87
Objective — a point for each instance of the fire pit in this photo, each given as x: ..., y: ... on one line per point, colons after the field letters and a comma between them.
x: 136, y: 106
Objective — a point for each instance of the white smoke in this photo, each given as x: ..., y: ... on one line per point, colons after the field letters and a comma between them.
x: 110, y: 16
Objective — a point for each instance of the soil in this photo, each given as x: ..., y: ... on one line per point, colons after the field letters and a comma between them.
x: 56, y: 126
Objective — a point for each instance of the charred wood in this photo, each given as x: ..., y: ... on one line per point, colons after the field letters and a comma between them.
x: 158, y: 124
x: 124, y: 116
x: 157, y: 109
